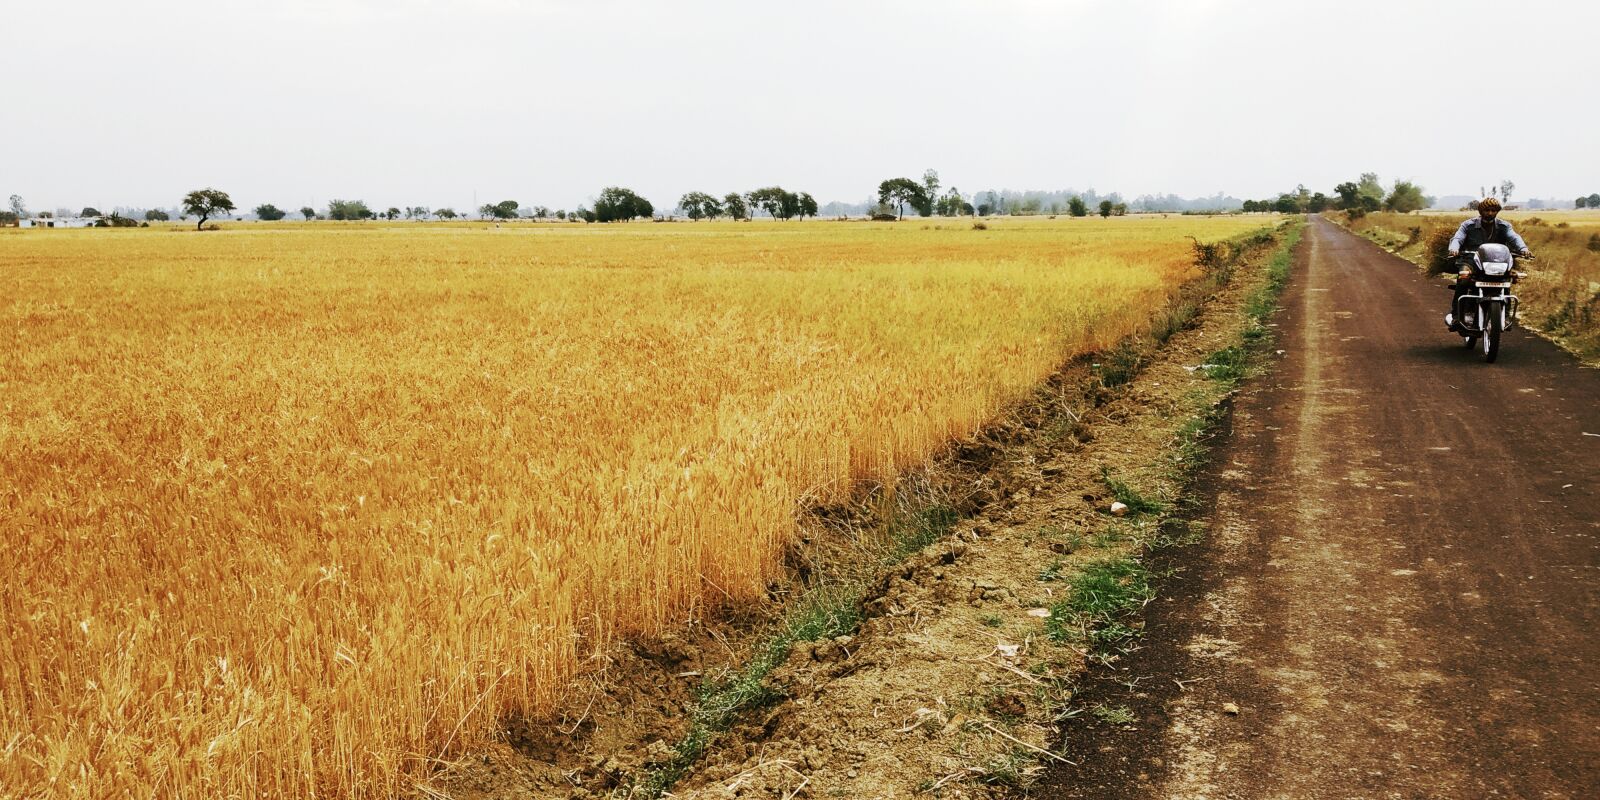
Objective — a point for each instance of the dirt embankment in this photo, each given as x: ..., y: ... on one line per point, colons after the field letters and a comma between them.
x: 949, y: 668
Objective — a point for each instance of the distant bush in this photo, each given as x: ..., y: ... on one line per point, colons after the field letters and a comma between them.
x: 884, y: 218
x: 979, y: 226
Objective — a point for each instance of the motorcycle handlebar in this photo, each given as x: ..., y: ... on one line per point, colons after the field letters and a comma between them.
x: 1460, y: 256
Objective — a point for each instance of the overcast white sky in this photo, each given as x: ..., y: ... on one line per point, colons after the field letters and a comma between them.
x: 415, y: 102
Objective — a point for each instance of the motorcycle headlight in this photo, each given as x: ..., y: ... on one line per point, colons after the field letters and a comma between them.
x: 1495, y: 267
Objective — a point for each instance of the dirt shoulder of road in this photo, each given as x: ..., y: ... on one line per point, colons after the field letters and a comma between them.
x: 964, y: 628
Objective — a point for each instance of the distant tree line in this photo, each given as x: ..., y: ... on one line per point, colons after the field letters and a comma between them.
x: 1357, y: 197
x: 894, y: 197
x: 776, y: 201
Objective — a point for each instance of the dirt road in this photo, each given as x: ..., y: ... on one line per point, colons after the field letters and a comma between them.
x: 1399, y: 588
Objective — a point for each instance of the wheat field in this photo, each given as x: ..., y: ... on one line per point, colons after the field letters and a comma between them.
x: 302, y: 510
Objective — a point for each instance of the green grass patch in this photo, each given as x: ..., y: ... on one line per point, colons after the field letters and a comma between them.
x: 1100, y: 596
x: 1114, y: 715
x: 1119, y: 365
x: 911, y: 532
x: 1137, y: 502
x: 1228, y: 365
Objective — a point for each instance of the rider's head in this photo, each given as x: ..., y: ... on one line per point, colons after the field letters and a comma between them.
x: 1488, y: 208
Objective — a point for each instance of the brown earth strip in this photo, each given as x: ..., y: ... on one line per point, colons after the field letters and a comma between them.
x: 1399, y: 590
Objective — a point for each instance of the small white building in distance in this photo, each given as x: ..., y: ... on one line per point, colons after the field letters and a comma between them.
x: 64, y: 222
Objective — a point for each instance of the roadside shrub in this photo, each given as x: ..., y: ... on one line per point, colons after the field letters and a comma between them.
x: 1211, y: 254
x: 1438, y: 250
x: 1594, y: 242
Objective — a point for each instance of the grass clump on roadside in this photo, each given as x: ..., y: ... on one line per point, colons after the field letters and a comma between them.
x: 1228, y: 365
x: 1137, y: 502
x: 910, y: 532
x: 1099, y: 597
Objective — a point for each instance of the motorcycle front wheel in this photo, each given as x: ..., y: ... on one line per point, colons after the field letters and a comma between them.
x: 1491, y: 335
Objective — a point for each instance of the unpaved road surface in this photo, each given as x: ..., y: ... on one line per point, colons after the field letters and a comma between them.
x: 1399, y: 587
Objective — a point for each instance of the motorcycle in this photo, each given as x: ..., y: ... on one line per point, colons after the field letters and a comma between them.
x: 1487, y: 308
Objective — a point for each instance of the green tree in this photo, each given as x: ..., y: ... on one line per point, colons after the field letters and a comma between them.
x: 1349, y: 195
x: 18, y: 207
x: 308, y: 212
x: 776, y: 201
x: 699, y: 205
x: 1319, y: 203
x: 900, y: 192
x: 1405, y: 198
x: 1286, y: 204
x: 1077, y: 208
x: 734, y: 206
x: 990, y: 204
x: 505, y: 209
x: 90, y: 211
x: 156, y: 215
x: 808, y: 205
x: 1580, y: 202
x: 951, y: 204
x: 348, y: 210
x: 930, y: 185
x: 446, y: 213
x: 270, y: 212
x: 618, y: 204
x: 1105, y: 208
x: 1594, y: 200
x: 1370, y: 190
x: 206, y: 203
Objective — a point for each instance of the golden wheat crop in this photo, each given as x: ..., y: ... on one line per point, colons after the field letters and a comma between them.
x: 295, y: 511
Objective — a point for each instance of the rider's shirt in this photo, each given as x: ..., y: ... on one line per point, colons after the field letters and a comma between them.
x: 1472, y: 234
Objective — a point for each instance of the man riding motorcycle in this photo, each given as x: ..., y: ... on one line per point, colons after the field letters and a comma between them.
x: 1486, y: 228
